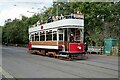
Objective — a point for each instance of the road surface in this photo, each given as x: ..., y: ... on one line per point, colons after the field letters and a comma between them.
x: 18, y: 63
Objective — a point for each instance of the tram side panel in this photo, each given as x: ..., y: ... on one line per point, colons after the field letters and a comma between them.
x: 47, y: 46
x: 76, y: 47
x: 75, y: 50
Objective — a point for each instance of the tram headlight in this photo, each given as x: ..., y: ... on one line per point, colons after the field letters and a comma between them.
x: 79, y: 47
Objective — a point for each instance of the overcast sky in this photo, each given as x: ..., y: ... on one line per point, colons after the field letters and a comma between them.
x: 11, y: 9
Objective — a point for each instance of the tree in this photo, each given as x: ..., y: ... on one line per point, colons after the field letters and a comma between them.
x: 101, y: 21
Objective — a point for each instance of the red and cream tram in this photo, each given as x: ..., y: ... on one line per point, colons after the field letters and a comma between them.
x: 61, y: 39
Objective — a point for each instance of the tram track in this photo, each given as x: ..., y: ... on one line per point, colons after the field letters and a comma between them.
x: 79, y: 67
x: 47, y: 59
x: 34, y: 62
x: 84, y: 64
x: 69, y: 72
x: 98, y: 66
x: 54, y: 68
x: 89, y: 64
x: 105, y: 63
x: 74, y: 68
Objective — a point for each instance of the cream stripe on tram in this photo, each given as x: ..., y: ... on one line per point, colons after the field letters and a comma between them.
x: 45, y: 46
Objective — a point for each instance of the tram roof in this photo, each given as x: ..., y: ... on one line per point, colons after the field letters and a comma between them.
x: 69, y: 23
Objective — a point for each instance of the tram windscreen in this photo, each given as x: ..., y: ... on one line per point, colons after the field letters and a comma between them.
x: 76, y: 32
x: 77, y: 35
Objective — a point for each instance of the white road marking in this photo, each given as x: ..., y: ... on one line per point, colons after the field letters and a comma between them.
x: 4, y: 73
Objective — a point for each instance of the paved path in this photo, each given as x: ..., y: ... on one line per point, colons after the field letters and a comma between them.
x: 20, y: 64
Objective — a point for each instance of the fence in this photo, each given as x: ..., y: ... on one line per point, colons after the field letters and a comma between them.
x: 115, y: 51
x: 95, y: 49
x: 100, y: 50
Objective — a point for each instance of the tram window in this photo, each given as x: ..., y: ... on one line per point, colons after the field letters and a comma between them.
x: 48, y: 36
x: 66, y: 37
x: 32, y: 37
x: 42, y: 36
x: 54, y: 35
x: 77, y: 35
x: 36, y: 38
x: 60, y: 36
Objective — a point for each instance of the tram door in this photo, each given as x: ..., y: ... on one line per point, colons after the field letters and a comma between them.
x: 68, y: 37
x: 64, y: 34
x: 72, y: 35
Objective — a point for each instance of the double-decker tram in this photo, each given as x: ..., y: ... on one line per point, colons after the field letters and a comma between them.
x: 61, y: 39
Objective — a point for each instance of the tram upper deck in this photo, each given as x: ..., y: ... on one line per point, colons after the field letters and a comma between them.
x: 64, y: 23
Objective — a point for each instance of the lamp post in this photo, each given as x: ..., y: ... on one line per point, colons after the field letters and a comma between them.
x: 57, y: 4
x: 7, y: 37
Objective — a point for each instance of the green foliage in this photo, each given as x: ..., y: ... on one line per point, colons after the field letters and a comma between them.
x: 101, y: 21
x: 0, y: 33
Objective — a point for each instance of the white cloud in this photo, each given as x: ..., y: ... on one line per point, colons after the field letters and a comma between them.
x: 11, y: 9
x: 36, y: 1
x: 13, y: 13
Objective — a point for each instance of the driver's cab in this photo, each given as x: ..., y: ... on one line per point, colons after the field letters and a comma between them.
x: 71, y: 39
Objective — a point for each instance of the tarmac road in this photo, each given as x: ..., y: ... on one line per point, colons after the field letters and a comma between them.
x: 18, y: 63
